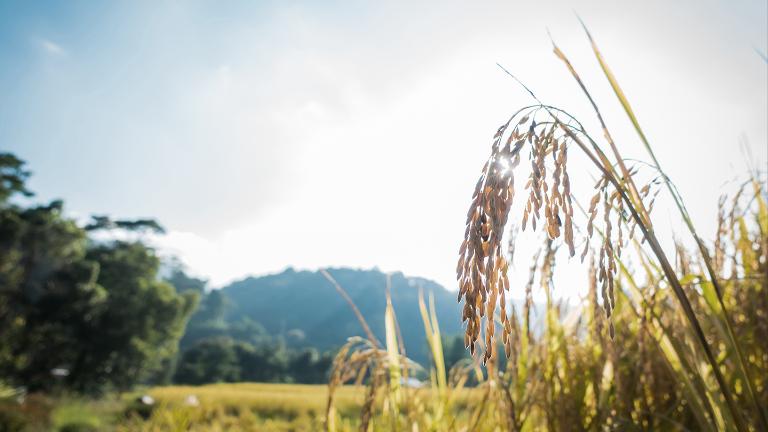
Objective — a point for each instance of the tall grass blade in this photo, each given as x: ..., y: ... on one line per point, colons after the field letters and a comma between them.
x: 731, y: 340
x: 393, y: 359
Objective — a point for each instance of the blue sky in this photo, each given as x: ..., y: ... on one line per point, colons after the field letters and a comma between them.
x: 269, y: 134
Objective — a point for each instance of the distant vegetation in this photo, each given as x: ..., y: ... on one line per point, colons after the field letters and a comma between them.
x: 286, y: 327
x: 304, y: 309
x: 84, y: 312
x: 78, y: 313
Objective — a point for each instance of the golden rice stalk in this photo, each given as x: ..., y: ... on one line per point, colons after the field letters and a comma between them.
x: 482, y: 267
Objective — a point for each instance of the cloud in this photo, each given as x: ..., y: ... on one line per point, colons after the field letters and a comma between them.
x: 52, y: 48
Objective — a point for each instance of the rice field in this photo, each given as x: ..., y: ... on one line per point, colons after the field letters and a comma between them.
x: 241, y: 406
x: 248, y: 406
x: 215, y: 407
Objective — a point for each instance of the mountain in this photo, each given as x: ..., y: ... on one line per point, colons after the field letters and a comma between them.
x: 306, y: 309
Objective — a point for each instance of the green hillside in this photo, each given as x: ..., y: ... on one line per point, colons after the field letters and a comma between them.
x: 306, y: 310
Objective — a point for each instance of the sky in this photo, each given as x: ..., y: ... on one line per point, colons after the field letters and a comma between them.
x: 264, y: 135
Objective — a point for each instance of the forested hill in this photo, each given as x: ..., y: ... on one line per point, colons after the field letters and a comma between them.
x: 306, y: 309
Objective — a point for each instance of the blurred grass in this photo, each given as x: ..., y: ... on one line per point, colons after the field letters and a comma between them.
x: 276, y: 400
x: 252, y: 406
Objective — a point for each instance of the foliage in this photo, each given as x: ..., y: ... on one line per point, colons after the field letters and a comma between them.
x: 208, y: 321
x: 12, y: 177
x: 212, y: 360
x: 130, y: 272
x: 139, y: 225
x: 226, y: 360
x: 247, y: 351
x: 78, y: 314
x: 305, y: 310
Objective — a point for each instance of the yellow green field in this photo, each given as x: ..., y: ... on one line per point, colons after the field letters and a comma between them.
x: 248, y: 406
x: 245, y: 406
x: 214, y: 407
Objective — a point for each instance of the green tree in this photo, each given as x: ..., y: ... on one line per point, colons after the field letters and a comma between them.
x: 74, y: 312
x: 48, y: 292
x: 263, y: 363
x: 182, y: 281
x: 12, y: 177
x: 310, y: 367
x: 223, y: 359
x: 211, y: 360
x: 138, y: 225
x: 142, y: 320
x: 250, y: 331
x: 207, y: 321
x: 454, y: 350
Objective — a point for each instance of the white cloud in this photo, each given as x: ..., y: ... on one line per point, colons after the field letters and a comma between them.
x: 52, y: 47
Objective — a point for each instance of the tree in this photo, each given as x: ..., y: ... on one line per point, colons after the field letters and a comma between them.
x: 250, y: 331
x: 211, y: 360
x: 263, y: 363
x: 182, y: 281
x: 207, y: 321
x: 12, y: 177
x: 77, y: 313
x: 47, y: 291
x: 309, y: 367
x: 142, y: 320
x: 138, y: 225
x: 454, y: 350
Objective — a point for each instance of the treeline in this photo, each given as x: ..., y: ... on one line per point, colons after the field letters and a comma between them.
x: 215, y: 350
x: 76, y: 312
x: 228, y: 360
x: 81, y: 311
x: 220, y: 347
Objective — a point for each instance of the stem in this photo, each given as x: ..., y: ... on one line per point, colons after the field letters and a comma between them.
x: 688, y: 222
x: 351, y: 303
x: 626, y: 177
x: 647, y: 231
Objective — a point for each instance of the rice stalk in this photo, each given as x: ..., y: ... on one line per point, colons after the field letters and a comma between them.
x: 677, y: 198
x: 482, y: 268
x: 442, y: 404
x: 393, y: 357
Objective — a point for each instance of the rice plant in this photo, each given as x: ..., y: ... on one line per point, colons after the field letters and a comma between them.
x: 564, y: 370
x: 662, y: 342
x: 541, y: 130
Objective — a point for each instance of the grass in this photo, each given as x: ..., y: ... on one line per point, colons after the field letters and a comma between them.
x: 244, y: 406
x: 269, y: 400
x: 675, y: 344
x: 240, y: 406
x: 86, y: 415
x: 639, y: 368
